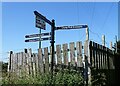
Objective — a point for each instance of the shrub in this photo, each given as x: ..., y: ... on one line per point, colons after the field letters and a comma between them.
x: 66, y: 77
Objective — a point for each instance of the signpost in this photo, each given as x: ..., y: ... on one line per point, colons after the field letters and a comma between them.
x: 38, y: 39
x: 41, y: 23
x: 42, y: 17
x: 71, y: 27
x: 37, y: 35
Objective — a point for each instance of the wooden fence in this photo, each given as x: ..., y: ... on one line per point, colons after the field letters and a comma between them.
x: 101, y: 57
x: 35, y: 63
x: 72, y: 55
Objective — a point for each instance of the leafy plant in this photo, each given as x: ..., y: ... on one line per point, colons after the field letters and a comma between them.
x: 66, y: 77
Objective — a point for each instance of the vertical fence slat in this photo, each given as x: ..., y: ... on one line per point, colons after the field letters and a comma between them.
x: 79, y: 54
x: 96, y: 55
x: 72, y: 53
x: 104, y: 57
x: 37, y: 64
x: 58, y: 53
x: 46, y: 60
x: 34, y: 63
x: 27, y: 61
x: 21, y: 64
x: 40, y: 61
x: 18, y: 59
x: 24, y: 62
x: 87, y: 63
x: 16, y: 63
x: 91, y: 54
x: 100, y: 56
x: 65, y: 54
x: 9, y: 62
x: 12, y: 62
x: 30, y: 61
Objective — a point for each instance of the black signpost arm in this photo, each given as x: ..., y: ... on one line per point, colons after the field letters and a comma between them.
x: 52, y: 44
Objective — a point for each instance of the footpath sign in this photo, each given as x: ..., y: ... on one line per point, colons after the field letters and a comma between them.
x: 37, y: 35
x: 38, y: 39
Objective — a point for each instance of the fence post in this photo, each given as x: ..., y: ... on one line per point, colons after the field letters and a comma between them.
x: 103, y: 40
x: 111, y: 45
x: 87, y: 70
x: 10, y: 63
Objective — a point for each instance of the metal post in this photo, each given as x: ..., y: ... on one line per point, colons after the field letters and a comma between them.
x: 40, y: 38
x: 52, y: 44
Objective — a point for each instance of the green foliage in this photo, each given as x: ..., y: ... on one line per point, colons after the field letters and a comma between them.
x: 66, y: 77
x: 99, y: 78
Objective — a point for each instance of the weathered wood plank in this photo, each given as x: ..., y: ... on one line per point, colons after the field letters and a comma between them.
x: 40, y: 61
x: 59, y: 57
x: 102, y: 58
x: 105, y: 66
x: 35, y: 55
x: 94, y: 55
x: 27, y: 61
x: 18, y: 58
x: 98, y: 46
x: 79, y: 54
x: 72, y: 53
x: 37, y: 65
x: 46, y: 60
x: 87, y: 62
x: 58, y: 53
x: 108, y: 56
x: 10, y: 61
x: 16, y: 63
x: 24, y: 62
x: 21, y: 63
x: 65, y: 54
x: 30, y: 58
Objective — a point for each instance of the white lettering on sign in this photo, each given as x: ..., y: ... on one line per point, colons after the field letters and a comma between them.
x: 40, y: 23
